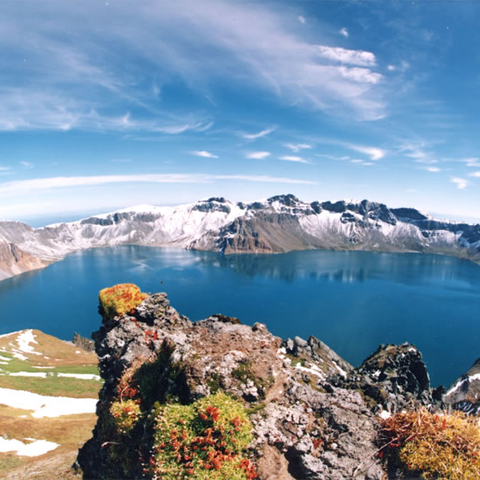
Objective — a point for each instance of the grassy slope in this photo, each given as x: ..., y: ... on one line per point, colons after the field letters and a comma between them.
x: 69, y: 431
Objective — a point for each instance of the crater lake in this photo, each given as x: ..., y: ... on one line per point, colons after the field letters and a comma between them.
x: 352, y: 301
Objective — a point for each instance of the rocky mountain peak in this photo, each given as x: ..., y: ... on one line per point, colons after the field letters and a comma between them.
x: 288, y: 200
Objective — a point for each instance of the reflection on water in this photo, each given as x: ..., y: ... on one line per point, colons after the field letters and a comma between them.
x: 353, y: 301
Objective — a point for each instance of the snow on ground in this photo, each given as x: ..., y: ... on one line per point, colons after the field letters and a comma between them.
x: 5, y: 359
x: 470, y: 378
x: 28, y: 374
x: 45, y: 406
x: 80, y: 376
x: 24, y: 339
x: 37, y: 447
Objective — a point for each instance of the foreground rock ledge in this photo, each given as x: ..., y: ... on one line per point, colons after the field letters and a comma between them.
x: 312, y: 413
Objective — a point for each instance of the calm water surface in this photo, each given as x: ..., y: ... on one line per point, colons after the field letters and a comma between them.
x: 353, y: 301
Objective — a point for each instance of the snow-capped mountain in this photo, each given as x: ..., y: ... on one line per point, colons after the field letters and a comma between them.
x: 278, y: 224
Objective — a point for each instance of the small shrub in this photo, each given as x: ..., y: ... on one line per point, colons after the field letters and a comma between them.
x: 432, y: 445
x: 204, y: 440
x: 120, y: 299
x: 125, y: 414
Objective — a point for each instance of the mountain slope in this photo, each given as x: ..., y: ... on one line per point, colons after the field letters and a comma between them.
x: 278, y: 224
x: 13, y: 260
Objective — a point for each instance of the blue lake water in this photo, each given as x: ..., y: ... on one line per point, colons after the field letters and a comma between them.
x: 353, y: 301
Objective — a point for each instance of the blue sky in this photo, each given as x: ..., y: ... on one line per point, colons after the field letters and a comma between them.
x: 105, y: 104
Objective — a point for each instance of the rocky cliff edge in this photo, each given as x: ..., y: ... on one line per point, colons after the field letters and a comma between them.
x: 218, y: 399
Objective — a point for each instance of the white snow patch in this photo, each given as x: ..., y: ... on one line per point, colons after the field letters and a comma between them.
x: 3, y: 363
x: 37, y: 447
x: 6, y: 359
x: 28, y: 374
x: 78, y: 351
x: 342, y: 372
x: 19, y: 356
x: 80, y: 376
x: 24, y: 339
x: 44, y: 406
x: 41, y: 366
x: 313, y: 370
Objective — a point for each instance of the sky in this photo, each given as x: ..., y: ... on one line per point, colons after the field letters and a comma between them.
x: 109, y: 104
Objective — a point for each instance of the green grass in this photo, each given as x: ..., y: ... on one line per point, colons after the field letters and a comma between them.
x: 9, y: 461
x: 53, y: 386
x: 16, y: 365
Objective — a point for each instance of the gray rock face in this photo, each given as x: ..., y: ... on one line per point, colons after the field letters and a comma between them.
x: 392, y: 378
x: 464, y: 393
x: 303, y: 427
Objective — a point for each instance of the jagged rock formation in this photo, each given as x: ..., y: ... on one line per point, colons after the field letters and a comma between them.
x: 464, y: 393
x: 392, y: 378
x: 278, y: 224
x: 304, y: 425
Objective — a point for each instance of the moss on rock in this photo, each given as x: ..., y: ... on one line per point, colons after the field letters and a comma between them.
x: 119, y: 299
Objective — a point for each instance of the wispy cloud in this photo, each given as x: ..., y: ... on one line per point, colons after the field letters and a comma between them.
x: 296, y: 147
x: 73, y: 79
x: 374, y: 153
x: 344, y: 55
x: 475, y: 174
x: 204, y: 153
x: 254, y: 136
x: 84, y: 181
x: 433, y: 169
x: 258, y: 155
x: 26, y: 165
x: 343, y: 31
x: 292, y: 158
x: 472, y: 162
x: 461, y: 183
x: 302, y: 19
x: 359, y: 161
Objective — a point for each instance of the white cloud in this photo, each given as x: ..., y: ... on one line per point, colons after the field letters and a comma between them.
x: 343, y: 31
x: 296, y: 147
x: 433, y: 169
x: 258, y: 155
x: 360, y: 75
x: 373, y: 152
x: 84, y: 181
x: 302, y: 19
x: 26, y: 165
x: 291, y: 158
x: 254, y: 136
x: 4, y: 169
x: 472, y: 162
x: 461, y: 183
x: 344, y: 55
x: 475, y: 174
x: 204, y: 153
x: 268, y: 56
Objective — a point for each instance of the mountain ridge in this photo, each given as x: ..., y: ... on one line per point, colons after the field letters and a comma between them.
x: 276, y: 225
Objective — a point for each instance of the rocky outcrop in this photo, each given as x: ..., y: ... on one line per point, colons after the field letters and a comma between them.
x: 464, y: 393
x: 312, y: 413
x: 391, y: 379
